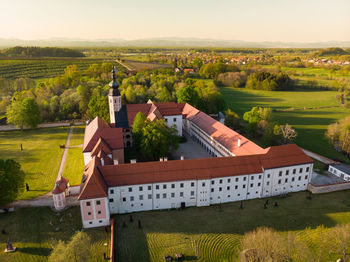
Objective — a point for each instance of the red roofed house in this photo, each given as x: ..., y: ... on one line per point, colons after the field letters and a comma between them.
x: 239, y: 169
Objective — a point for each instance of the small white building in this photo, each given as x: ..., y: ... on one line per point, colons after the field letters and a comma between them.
x: 340, y: 170
x: 59, y: 193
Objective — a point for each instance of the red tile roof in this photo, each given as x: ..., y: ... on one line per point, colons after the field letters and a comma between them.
x: 60, y: 186
x: 224, y: 135
x: 101, y: 145
x: 97, y: 129
x: 133, y: 109
x: 168, y: 108
x: 93, y: 185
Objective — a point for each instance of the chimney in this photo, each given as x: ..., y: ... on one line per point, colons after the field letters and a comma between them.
x: 238, y: 142
x: 116, y: 162
x: 165, y: 158
x: 161, y: 159
x: 132, y: 161
x: 182, y: 158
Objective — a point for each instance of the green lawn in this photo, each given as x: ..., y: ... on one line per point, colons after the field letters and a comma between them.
x: 30, y: 231
x: 74, y: 165
x: 40, y: 158
x: 311, y: 124
x: 211, y: 234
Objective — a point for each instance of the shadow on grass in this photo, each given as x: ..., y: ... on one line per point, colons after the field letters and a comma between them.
x: 40, y: 251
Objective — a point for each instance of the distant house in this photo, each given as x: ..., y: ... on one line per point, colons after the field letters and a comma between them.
x: 340, y: 170
x: 188, y: 71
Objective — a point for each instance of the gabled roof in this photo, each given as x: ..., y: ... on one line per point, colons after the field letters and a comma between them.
x: 101, y: 145
x: 60, y: 186
x: 113, y: 137
x: 224, y: 135
x: 106, y: 159
x: 133, y: 109
x: 93, y: 184
x: 168, y: 108
x: 285, y: 155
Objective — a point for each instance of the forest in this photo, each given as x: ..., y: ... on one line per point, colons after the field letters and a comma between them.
x: 33, y: 51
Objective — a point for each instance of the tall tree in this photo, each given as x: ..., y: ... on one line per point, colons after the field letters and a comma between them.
x: 288, y: 133
x: 24, y: 112
x: 98, y: 106
x: 11, y: 180
x: 232, y: 119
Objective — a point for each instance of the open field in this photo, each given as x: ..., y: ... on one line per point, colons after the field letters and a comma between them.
x: 30, y: 231
x: 42, y: 68
x: 40, y: 158
x: 74, y: 165
x: 311, y: 122
x: 211, y: 234
x: 140, y: 66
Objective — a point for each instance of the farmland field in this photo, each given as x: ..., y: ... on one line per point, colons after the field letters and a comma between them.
x: 74, y: 165
x: 40, y: 158
x: 310, y: 112
x: 42, y: 68
x: 31, y: 233
x: 214, y: 234
x: 140, y: 66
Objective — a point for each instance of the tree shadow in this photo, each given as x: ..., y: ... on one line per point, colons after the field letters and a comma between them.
x: 40, y: 251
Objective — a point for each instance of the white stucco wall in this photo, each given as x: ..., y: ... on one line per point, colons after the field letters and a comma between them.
x: 176, y: 121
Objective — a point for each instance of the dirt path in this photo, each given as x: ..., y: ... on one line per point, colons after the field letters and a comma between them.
x: 124, y: 65
x: 318, y: 157
x: 64, y: 156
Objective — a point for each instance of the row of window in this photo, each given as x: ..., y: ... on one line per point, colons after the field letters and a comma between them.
x: 293, y: 179
x: 164, y: 195
x: 88, y: 203
x: 294, y: 171
x: 130, y: 189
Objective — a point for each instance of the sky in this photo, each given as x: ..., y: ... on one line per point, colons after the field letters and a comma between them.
x: 249, y: 20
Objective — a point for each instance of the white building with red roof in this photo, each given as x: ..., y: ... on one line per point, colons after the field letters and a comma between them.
x: 239, y: 169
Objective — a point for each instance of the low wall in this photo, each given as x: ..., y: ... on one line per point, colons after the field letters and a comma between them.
x: 111, y: 254
x: 74, y: 190
x: 328, y: 188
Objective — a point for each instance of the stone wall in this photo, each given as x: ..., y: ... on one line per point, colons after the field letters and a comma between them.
x: 328, y: 188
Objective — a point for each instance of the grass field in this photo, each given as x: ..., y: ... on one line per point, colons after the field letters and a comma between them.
x: 43, y: 68
x: 40, y: 158
x: 140, y: 66
x: 313, y: 112
x: 74, y: 166
x: 211, y: 234
x: 30, y: 231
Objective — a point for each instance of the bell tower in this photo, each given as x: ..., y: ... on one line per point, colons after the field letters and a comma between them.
x: 114, y: 97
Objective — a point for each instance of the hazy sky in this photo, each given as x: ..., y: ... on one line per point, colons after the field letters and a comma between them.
x: 250, y: 20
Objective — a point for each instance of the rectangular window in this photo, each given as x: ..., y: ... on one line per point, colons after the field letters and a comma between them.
x: 286, y: 181
x: 111, y: 200
x: 279, y: 181
x: 164, y: 186
x: 259, y: 176
x: 301, y: 170
x: 164, y: 195
x: 140, y: 197
x: 111, y: 191
x: 131, y: 198
x: 244, y: 178
x: 305, y: 177
x: 287, y: 172
x: 236, y: 187
x: 280, y: 173
x: 158, y: 196
x: 181, y: 185
x: 252, y: 178
x: 229, y: 180
x: 251, y: 185
x: 212, y: 190
x: 98, y: 202
x: 220, y: 181
x: 172, y: 195
x: 172, y: 185
x: 228, y: 188
x: 181, y: 194
x: 294, y: 171
x: 130, y: 189
x: 157, y: 186
x: 268, y: 183
x: 293, y: 178
x: 124, y: 199
x: 150, y: 196
x: 149, y: 187
x: 236, y: 179
x: 98, y: 212
x: 259, y: 184
x: 212, y: 182
x: 203, y: 184
x: 307, y: 169
x: 268, y: 175
x: 243, y: 186
x: 192, y: 184
x: 220, y: 188
x: 88, y: 204
x: 89, y: 213
x: 174, y: 119
x: 299, y: 178
x: 140, y: 188
x: 192, y: 193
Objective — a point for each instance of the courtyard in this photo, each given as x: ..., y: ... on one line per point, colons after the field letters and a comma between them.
x: 190, y: 150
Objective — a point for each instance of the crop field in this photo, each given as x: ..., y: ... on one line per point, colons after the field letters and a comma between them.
x: 140, y: 66
x: 214, y: 233
x: 40, y: 158
x: 42, y: 68
x: 30, y: 232
x: 74, y: 165
x: 309, y: 112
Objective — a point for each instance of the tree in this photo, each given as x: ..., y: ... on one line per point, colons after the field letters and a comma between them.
x: 187, y: 94
x: 288, y: 133
x: 24, y: 112
x: 11, y: 180
x: 232, y: 119
x: 78, y: 249
x: 256, y: 115
x: 98, y: 106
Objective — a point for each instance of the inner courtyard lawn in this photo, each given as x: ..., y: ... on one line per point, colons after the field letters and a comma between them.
x: 40, y: 158
x: 30, y: 232
x: 309, y: 112
x: 214, y: 233
x: 74, y: 165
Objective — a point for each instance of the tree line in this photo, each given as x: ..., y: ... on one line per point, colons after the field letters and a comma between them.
x: 35, y: 51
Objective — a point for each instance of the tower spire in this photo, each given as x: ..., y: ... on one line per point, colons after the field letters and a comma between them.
x: 114, y: 83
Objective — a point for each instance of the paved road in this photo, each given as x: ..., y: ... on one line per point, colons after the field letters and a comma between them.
x: 122, y: 64
x: 64, y: 156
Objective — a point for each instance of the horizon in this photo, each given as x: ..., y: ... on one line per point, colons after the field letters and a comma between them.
x: 256, y: 21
